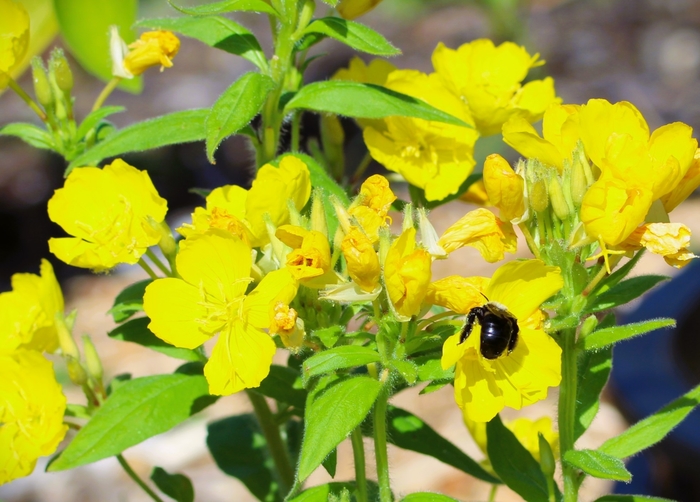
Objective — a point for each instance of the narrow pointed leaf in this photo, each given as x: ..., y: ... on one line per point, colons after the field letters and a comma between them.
x: 625, y: 292
x: 598, y: 464
x: 215, y: 31
x: 235, y: 108
x: 356, y: 35
x: 652, y: 429
x: 135, y: 411
x: 619, y: 274
x: 631, y: 498
x: 593, y: 372
x: 176, y: 486
x: 353, y: 99
x: 177, y: 127
x: 30, y: 134
x: 136, y: 331
x: 333, y: 491
x: 95, y: 117
x: 331, y: 415
x: 514, y: 464
x: 345, y: 356
x: 209, y: 9
x: 608, y: 336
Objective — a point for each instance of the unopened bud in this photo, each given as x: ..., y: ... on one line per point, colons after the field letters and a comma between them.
x: 76, y: 372
x: 92, y: 359
x: 579, y: 185
x: 538, y: 196
x: 547, y: 462
x: 61, y: 71
x: 42, y: 88
x: 589, y: 325
x: 556, y: 197
x: 341, y: 213
x: 407, y: 217
x: 65, y: 339
x: 318, y: 214
x: 167, y: 242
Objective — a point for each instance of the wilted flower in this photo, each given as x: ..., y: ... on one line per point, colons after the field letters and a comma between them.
x: 153, y: 48
x: 482, y: 230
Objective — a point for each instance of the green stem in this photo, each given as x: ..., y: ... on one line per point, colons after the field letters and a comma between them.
x: 137, y: 480
x: 380, y: 450
x: 275, y: 444
x: 111, y: 85
x: 430, y: 320
x: 361, y: 168
x: 27, y: 99
x: 148, y: 269
x: 296, y: 134
x: 492, y: 493
x: 158, y: 263
x: 358, y: 452
x: 567, y: 410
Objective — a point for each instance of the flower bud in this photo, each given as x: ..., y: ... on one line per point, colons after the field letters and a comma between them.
x: 362, y: 260
x: 318, y: 214
x: 167, y: 242
x: 76, y: 372
x: 92, y: 359
x: 287, y: 324
x: 407, y: 217
x: 42, y: 88
x: 547, y: 462
x: 538, y: 196
x: 65, y: 339
x: 556, y: 197
x: 350, y: 9
x: 579, y: 184
x: 341, y: 213
x: 429, y: 236
x: 62, y: 74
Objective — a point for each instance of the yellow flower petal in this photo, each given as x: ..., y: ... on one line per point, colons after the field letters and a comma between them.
x: 14, y: 38
x: 362, y: 260
x: 276, y: 287
x: 153, y: 48
x: 505, y: 188
x: 459, y: 294
x: 484, y: 231
x: 685, y: 187
x: 672, y: 148
x: 670, y: 240
x: 407, y: 273
x: 476, y: 391
x: 240, y: 360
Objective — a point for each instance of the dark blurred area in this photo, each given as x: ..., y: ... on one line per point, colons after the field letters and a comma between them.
x: 643, y: 51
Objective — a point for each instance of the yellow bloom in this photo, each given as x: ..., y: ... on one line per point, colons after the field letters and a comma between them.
x: 372, y: 205
x: 110, y: 214
x: 350, y: 9
x: 242, y: 212
x: 483, y: 387
x: 14, y: 38
x: 459, y: 294
x: 288, y: 325
x: 433, y: 156
x: 153, y: 48
x: 28, y: 312
x: 407, y: 273
x: 488, y: 79
x: 310, y: 259
x: 484, y: 231
x: 31, y: 412
x: 685, y: 187
x: 211, y: 298
x: 362, y: 260
x: 560, y: 135
x: 476, y: 194
x: 670, y: 240
x: 505, y: 188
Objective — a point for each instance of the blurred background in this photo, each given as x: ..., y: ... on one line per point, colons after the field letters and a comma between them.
x: 643, y: 51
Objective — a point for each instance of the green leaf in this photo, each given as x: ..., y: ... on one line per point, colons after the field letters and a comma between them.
x: 129, y: 301
x: 369, y: 101
x: 435, y: 385
x: 85, y: 28
x: 331, y: 415
x: 345, y: 356
x: 239, y: 449
x: 356, y: 35
x: 329, y: 336
x: 608, y: 336
x: 652, y: 429
x: 427, y: 497
x: 235, y: 108
x: 177, y: 127
x: 625, y: 292
x: 324, y: 493
x: 283, y: 384
x: 631, y: 498
x: 135, y: 411
x: 430, y: 368
x: 30, y: 134
x: 320, y: 179
x: 175, y: 486
x: 409, y: 432
x: 331, y: 463
x: 136, y: 331
x: 215, y: 31
x: 94, y: 118
x: 209, y: 9
x: 593, y: 372
x: 514, y: 464
x: 618, y: 274
x: 598, y: 464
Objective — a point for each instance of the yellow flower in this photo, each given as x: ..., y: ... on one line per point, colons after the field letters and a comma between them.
x: 153, y: 48
x: 685, y: 187
x: 211, y: 298
x: 362, y: 260
x: 560, y: 135
x: 288, y: 325
x: 476, y: 194
x: 505, y: 188
x: 407, y: 273
x: 110, y: 213
x: 28, y: 312
x: 670, y: 240
x: 484, y: 231
x: 350, y: 9
x: 488, y: 79
x: 483, y: 387
x: 14, y: 38
x: 31, y: 412
x: 242, y: 212
x: 372, y: 205
x: 310, y: 259
x: 433, y: 156
x: 459, y: 294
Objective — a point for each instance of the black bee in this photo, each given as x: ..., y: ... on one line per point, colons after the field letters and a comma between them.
x: 499, y: 329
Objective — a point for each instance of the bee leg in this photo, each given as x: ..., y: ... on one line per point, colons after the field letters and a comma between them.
x: 514, y: 336
x: 473, y: 315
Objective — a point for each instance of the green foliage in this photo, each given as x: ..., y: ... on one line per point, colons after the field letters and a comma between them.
x: 94, y: 118
x: 175, y: 486
x: 330, y: 491
x: 514, y: 464
x: 652, y: 429
x: 630, y: 498
x: 284, y: 385
x: 427, y: 497
x: 129, y: 301
x: 331, y: 414
x: 209, y: 9
x: 356, y: 35
x: 593, y: 371
x: 235, y: 108
x: 215, y: 31
x: 136, y: 331
x: 85, y: 28
x: 608, y: 336
x: 137, y: 410
x: 343, y: 357
x: 369, y: 101
x: 30, y: 134
x: 624, y: 292
x: 598, y: 464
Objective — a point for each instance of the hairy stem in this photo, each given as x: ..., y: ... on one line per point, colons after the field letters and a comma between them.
x: 567, y: 410
x: 137, y: 480
x: 358, y: 452
x: 111, y: 85
x: 148, y: 269
x: 25, y: 97
x: 380, y: 450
